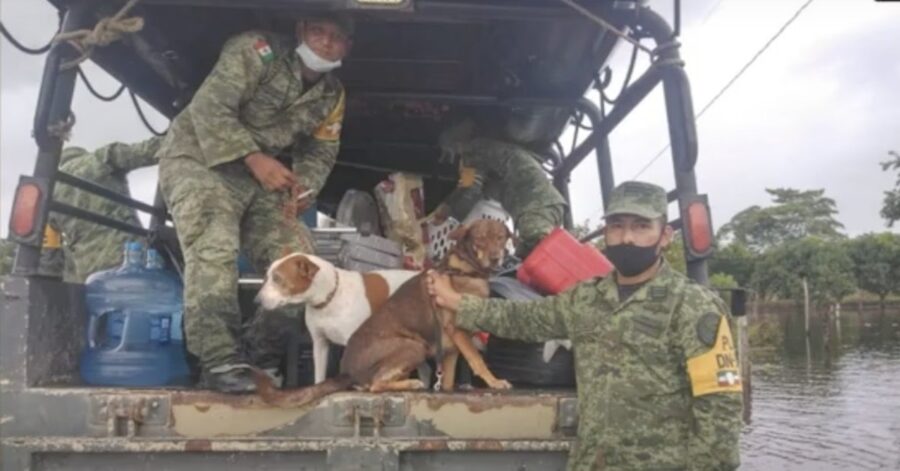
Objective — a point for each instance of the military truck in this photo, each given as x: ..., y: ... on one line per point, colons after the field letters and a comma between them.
x: 415, y: 64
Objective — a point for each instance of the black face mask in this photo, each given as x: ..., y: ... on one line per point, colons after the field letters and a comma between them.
x: 631, y: 260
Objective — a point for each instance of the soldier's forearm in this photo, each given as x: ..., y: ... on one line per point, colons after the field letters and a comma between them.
x: 531, y: 321
x: 314, y: 163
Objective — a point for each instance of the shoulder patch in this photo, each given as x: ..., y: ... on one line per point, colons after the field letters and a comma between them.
x: 330, y: 129
x: 716, y: 371
x: 264, y: 50
x: 707, y: 327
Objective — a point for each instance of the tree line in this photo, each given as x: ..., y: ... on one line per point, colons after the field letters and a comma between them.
x: 773, y: 250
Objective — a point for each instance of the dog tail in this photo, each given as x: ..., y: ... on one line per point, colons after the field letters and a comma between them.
x: 297, y: 397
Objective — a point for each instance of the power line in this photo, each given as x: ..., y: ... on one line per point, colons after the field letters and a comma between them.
x: 732, y: 81
x: 711, y: 12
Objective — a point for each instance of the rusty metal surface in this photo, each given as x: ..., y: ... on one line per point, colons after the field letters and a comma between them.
x: 43, y: 427
x: 220, y: 455
x: 201, y: 414
x: 138, y: 445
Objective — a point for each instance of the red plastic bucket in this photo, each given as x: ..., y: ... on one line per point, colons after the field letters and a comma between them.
x: 560, y: 261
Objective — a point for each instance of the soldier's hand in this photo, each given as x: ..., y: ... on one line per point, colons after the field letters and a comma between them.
x: 269, y: 172
x: 441, y: 290
x: 303, y: 198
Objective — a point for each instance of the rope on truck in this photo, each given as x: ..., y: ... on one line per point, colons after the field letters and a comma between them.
x: 105, y: 32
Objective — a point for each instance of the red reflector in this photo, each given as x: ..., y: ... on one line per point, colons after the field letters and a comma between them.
x: 699, y: 227
x: 25, y: 211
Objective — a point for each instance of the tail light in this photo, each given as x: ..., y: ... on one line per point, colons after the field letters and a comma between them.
x: 697, y: 225
x: 26, y: 209
x: 26, y: 223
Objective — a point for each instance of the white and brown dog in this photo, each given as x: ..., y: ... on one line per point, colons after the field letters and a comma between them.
x: 337, y: 301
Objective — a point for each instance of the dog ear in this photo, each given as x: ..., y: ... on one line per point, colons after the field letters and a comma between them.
x: 306, y: 267
x: 459, y: 233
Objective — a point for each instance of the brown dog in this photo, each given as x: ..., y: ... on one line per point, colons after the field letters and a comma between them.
x: 409, y: 328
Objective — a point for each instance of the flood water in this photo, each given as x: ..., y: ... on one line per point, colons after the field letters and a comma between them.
x: 827, y: 409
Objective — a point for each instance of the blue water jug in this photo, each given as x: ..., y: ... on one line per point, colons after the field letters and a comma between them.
x: 134, y: 333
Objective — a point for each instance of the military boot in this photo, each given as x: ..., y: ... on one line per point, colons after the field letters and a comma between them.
x: 230, y: 379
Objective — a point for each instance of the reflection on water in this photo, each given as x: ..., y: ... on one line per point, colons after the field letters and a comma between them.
x: 837, y: 408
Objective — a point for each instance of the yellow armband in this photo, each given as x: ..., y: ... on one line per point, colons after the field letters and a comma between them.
x: 716, y: 370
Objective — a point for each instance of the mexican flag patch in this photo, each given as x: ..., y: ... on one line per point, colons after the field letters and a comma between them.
x: 728, y: 378
x: 264, y: 50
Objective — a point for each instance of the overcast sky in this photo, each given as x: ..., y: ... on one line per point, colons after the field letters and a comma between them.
x: 819, y: 109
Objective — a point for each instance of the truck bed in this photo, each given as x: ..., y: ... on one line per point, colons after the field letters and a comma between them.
x: 48, y: 421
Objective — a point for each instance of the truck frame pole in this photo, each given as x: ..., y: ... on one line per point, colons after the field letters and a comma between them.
x: 53, y: 109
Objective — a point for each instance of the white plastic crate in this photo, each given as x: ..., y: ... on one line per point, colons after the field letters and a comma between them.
x: 439, y: 242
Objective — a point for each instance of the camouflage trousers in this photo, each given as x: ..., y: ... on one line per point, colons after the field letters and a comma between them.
x: 217, y: 212
x: 534, y: 224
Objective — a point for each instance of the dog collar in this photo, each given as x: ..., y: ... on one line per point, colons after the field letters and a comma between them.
x: 337, y: 283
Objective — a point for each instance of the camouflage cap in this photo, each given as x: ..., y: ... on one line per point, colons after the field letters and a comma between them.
x: 638, y: 198
x: 343, y: 20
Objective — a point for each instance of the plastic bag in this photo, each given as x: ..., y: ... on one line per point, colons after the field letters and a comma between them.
x: 401, y: 202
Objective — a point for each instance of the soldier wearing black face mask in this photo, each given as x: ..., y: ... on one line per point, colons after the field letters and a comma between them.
x: 657, y: 372
x: 636, y: 233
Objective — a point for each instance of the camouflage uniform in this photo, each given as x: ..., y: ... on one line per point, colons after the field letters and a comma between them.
x: 658, y: 384
x: 90, y: 247
x: 510, y: 174
x: 254, y: 100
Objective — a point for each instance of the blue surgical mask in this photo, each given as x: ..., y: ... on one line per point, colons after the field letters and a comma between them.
x: 315, y: 62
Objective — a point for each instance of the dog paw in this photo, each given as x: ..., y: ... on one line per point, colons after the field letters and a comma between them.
x: 417, y: 385
x: 500, y: 384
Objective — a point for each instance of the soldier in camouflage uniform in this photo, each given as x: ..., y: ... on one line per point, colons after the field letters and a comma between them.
x: 88, y: 247
x: 658, y: 384
x: 266, y: 96
x: 506, y: 172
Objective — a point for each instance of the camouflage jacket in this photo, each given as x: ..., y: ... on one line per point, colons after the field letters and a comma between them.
x: 657, y: 373
x: 504, y: 172
x: 254, y: 101
x: 90, y: 247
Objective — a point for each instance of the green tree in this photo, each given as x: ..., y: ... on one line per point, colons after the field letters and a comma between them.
x: 794, y: 215
x: 722, y: 281
x: 734, y: 260
x: 825, y: 264
x: 890, y: 209
x: 7, y: 254
x: 876, y: 263
x: 674, y: 253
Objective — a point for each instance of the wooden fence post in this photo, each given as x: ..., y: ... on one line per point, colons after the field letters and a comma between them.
x: 806, y: 306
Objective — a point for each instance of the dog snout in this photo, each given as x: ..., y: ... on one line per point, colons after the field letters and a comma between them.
x: 265, y: 298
